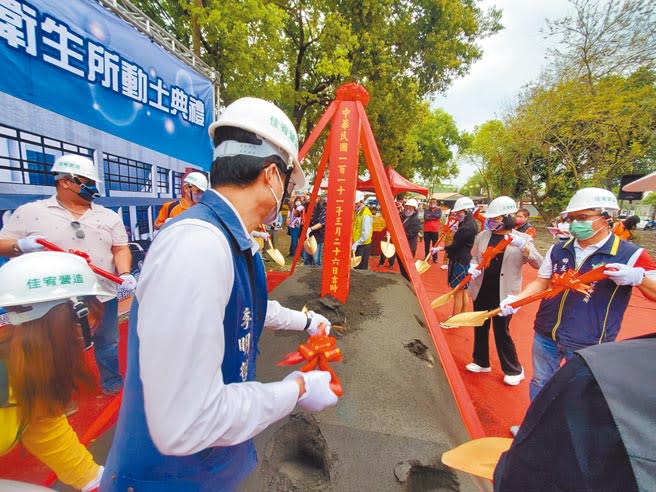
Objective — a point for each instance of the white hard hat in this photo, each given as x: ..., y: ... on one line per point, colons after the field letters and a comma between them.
x: 464, y: 203
x: 502, y: 205
x: 268, y: 122
x: 197, y: 179
x: 76, y: 165
x: 42, y: 280
x: 359, y: 196
x: 411, y: 202
x: 586, y: 198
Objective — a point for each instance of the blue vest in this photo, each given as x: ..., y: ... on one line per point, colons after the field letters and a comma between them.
x: 134, y: 461
x: 576, y: 320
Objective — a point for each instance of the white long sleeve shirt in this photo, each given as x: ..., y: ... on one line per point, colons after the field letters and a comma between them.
x: 183, y: 291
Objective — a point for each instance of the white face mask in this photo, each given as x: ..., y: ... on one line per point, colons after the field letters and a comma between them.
x: 273, y: 213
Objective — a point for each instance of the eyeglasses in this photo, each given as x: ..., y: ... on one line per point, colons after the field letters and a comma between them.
x: 581, y: 217
x: 79, y: 233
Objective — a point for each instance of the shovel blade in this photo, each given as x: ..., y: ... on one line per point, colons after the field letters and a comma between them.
x: 474, y: 318
x: 442, y: 300
x: 310, y: 245
x: 478, y: 457
x: 276, y: 256
x: 422, y: 266
x: 355, y: 261
x: 387, y: 249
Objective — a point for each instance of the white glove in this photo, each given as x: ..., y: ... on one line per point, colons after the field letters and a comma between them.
x: 354, y: 247
x: 264, y: 235
x: 454, y: 227
x: 474, y: 271
x: 29, y: 245
x: 624, y: 274
x: 436, y: 250
x: 507, y: 310
x: 129, y: 283
x: 518, y: 242
x: 318, y: 394
x: 94, y: 484
x: 309, y: 230
x: 315, y: 320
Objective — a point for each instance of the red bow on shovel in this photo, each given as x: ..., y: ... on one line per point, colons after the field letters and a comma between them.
x: 318, y: 351
x: 569, y: 280
x: 486, y: 258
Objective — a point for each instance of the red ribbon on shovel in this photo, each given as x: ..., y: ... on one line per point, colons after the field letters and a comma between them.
x: 96, y: 270
x: 318, y: 351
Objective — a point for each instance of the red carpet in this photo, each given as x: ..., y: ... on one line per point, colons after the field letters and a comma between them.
x: 498, y: 405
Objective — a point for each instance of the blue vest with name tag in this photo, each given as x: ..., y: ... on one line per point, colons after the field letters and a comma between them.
x: 576, y: 320
x: 134, y: 463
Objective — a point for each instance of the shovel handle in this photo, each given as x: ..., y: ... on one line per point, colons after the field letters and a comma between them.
x: 96, y: 270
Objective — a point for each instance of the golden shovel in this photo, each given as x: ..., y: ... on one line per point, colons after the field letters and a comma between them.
x: 273, y: 253
x: 423, y: 266
x: 355, y: 260
x: 387, y: 248
x: 310, y: 245
x: 478, y: 457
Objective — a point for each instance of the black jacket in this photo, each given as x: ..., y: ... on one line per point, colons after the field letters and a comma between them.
x: 459, y: 250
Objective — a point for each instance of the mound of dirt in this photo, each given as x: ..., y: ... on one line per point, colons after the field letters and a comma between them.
x: 397, y: 405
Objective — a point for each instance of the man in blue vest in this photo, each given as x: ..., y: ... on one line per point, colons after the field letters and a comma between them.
x: 572, y: 321
x: 191, y: 403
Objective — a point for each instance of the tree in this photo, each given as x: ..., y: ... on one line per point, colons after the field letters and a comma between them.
x: 604, y: 38
x: 298, y: 52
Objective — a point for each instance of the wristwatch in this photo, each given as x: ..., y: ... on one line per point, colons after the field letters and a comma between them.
x: 16, y: 250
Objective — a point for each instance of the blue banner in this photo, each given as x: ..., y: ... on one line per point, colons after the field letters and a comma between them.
x: 77, y: 59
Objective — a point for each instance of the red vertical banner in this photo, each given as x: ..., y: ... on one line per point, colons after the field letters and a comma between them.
x: 344, y: 141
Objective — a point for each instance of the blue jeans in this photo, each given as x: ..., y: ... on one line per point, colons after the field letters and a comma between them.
x: 105, y: 342
x: 547, y: 356
x: 294, y: 233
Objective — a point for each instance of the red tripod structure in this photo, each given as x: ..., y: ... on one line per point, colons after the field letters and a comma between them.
x: 350, y: 131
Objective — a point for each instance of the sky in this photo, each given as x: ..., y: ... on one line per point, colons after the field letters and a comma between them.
x: 511, y: 58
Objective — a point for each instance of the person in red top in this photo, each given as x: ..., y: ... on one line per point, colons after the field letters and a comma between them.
x: 522, y: 224
x: 432, y: 226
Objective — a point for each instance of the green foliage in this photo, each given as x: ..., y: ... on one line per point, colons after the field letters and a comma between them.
x: 588, y: 121
x: 298, y: 52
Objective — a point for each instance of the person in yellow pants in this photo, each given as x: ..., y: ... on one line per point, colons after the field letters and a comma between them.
x: 48, y: 297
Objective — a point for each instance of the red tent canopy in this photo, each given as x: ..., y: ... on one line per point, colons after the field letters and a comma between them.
x: 397, y: 182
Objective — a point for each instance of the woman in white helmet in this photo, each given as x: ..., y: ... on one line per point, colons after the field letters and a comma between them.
x: 501, y: 278
x: 459, y: 250
x: 48, y: 297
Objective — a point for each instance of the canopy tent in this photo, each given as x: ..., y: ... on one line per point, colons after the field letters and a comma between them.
x: 397, y: 182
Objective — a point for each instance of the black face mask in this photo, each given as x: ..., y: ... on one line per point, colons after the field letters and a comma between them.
x: 88, y: 191
x: 509, y: 222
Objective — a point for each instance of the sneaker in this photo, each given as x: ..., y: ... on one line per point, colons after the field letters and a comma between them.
x: 473, y: 367
x: 514, y: 380
x: 444, y: 267
x: 514, y: 429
